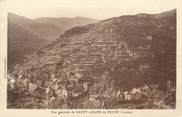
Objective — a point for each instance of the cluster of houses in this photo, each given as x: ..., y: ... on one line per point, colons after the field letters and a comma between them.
x: 47, y: 91
x: 58, y: 93
x: 149, y: 94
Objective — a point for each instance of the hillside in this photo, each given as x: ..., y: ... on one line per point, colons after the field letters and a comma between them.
x: 141, y: 39
x: 118, y: 53
x: 26, y: 35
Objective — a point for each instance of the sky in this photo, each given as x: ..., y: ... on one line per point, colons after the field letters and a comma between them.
x: 96, y: 9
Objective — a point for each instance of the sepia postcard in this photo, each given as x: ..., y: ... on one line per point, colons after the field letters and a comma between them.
x: 90, y: 58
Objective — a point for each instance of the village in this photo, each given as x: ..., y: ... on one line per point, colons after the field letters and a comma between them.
x: 71, y: 93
